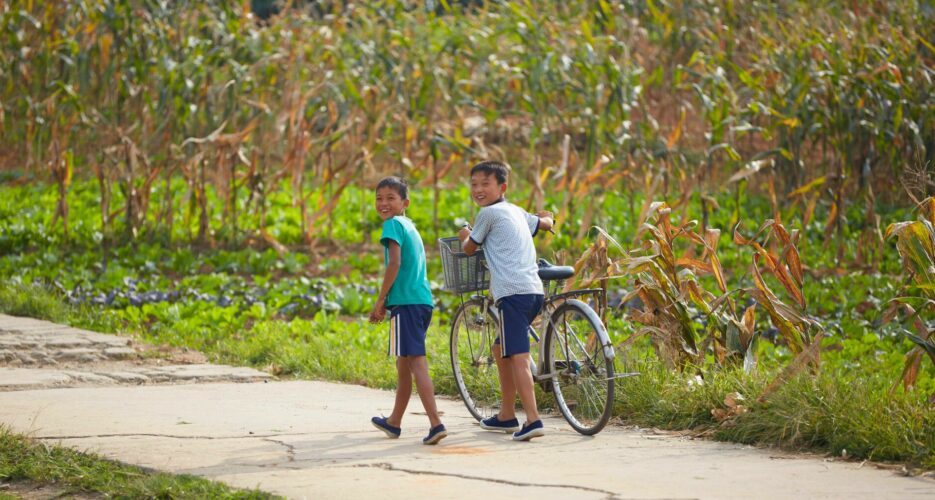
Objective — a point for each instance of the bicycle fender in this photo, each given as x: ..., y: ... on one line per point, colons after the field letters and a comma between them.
x: 601, y: 330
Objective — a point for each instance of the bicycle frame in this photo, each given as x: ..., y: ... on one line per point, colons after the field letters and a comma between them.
x: 551, y: 303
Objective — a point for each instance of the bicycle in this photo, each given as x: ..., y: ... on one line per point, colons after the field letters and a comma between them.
x: 576, y: 358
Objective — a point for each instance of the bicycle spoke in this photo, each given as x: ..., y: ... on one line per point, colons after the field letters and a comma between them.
x: 472, y: 335
x: 581, y: 382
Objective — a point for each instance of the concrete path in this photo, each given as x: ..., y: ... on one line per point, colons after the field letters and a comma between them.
x: 314, y: 440
x: 39, y: 354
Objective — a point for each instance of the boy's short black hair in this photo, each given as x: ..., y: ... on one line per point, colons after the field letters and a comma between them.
x: 396, y: 184
x: 496, y: 168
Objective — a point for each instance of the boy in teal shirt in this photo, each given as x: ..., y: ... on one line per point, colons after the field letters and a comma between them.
x: 406, y: 293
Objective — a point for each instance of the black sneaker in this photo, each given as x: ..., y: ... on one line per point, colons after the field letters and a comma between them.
x: 436, y: 434
x: 529, y: 431
x: 495, y: 424
x: 391, y: 432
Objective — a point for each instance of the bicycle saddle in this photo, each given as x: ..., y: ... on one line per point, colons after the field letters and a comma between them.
x: 548, y: 272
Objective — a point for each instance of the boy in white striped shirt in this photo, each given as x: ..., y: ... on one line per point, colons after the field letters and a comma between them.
x: 506, y: 232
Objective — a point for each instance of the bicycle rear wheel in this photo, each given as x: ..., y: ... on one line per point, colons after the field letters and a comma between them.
x: 473, y: 331
x: 582, y: 377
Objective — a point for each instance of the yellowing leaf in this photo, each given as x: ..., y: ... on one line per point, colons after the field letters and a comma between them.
x: 694, y: 264
x: 927, y: 209
x: 808, y: 187
x: 749, y: 322
x: 586, y: 32
x: 69, y: 166
x: 106, y: 41
x: 677, y: 132
x: 832, y: 219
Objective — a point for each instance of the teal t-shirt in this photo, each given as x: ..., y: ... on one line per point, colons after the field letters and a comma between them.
x: 411, y: 285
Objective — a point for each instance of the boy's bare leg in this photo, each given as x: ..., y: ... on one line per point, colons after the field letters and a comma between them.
x: 420, y: 370
x: 507, y: 386
x: 403, y: 391
x: 522, y: 377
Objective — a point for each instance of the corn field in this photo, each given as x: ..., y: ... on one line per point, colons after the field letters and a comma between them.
x: 819, y: 105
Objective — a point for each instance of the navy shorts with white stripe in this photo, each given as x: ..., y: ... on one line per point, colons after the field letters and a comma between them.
x: 408, y: 325
x: 516, y: 315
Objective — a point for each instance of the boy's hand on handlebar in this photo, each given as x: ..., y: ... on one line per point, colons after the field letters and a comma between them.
x: 546, y: 220
x: 464, y: 232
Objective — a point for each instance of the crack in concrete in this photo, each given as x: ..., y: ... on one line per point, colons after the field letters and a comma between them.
x: 175, y: 436
x: 267, y: 466
x: 390, y: 467
x: 290, y: 450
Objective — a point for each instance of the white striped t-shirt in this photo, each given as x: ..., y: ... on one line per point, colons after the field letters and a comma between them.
x: 506, y: 232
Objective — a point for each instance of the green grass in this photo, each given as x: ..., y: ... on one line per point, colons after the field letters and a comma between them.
x: 22, y: 458
x: 834, y: 412
x: 34, y: 302
x: 837, y: 413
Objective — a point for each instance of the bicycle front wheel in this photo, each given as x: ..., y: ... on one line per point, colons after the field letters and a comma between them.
x: 582, y: 377
x: 473, y: 331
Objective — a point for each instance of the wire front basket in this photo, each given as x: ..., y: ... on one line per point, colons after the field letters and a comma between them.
x: 463, y: 273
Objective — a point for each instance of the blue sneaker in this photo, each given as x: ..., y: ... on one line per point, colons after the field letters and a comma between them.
x: 494, y: 424
x: 391, y: 432
x: 529, y: 431
x: 436, y: 434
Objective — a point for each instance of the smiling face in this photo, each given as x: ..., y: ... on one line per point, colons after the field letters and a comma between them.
x: 485, y: 190
x: 389, y: 203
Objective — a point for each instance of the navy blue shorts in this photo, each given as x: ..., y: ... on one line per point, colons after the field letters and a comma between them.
x: 408, y: 325
x: 516, y: 315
